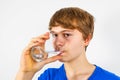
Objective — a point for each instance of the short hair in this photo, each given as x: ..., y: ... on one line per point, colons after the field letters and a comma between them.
x: 73, y: 18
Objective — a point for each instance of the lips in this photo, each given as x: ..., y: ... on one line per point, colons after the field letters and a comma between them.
x: 59, y: 50
x: 61, y: 53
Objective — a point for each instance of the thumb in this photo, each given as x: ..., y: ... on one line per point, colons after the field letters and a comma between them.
x: 52, y: 59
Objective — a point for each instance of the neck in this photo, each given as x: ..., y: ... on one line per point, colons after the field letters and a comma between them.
x: 78, y: 66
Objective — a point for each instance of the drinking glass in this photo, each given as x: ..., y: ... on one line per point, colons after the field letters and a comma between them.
x: 38, y: 54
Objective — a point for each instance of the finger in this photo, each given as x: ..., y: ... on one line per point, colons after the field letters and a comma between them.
x: 36, y: 40
x: 52, y: 59
x: 29, y: 47
x: 44, y: 36
x: 40, y: 39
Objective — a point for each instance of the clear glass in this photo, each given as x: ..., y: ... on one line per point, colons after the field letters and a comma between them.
x: 38, y: 54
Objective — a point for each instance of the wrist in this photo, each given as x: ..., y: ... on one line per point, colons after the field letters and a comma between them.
x: 24, y: 75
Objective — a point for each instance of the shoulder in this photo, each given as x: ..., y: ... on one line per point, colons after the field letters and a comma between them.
x: 104, y: 74
x: 52, y: 73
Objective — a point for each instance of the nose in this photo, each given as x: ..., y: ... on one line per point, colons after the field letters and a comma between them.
x: 59, y: 41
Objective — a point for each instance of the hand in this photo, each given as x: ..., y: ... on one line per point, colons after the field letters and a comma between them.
x: 28, y: 65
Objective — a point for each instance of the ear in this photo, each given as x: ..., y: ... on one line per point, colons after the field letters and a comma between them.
x: 87, y: 40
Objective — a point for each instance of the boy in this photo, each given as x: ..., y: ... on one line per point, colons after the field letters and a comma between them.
x: 72, y: 29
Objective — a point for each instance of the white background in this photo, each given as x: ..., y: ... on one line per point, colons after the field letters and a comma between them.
x: 20, y: 20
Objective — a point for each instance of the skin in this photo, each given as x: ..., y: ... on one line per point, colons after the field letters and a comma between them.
x: 72, y: 47
x: 72, y: 44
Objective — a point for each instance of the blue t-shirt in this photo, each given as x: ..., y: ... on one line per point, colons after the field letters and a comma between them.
x: 60, y: 74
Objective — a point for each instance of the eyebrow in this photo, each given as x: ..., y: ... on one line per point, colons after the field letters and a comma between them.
x: 62, y: 31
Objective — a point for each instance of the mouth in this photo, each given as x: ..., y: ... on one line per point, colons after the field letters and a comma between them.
x: 60, y: 53
x: 59, y: 50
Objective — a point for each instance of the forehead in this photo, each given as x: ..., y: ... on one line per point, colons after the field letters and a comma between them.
x: 59, y: 29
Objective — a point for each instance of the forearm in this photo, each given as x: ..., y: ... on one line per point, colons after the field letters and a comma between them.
x: 24, y: 75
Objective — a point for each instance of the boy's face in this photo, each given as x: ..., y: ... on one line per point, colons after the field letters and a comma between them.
x: 69, y: 42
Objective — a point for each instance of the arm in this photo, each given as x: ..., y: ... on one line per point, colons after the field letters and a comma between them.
x: 28, y: 67
x: 21, y: 75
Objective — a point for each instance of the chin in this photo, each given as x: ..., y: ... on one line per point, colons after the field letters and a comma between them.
x: 63, y: 60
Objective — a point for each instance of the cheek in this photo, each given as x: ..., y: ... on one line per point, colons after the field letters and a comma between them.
x: 53, y: 43
x: 77, y: 46
x: 76, y: 42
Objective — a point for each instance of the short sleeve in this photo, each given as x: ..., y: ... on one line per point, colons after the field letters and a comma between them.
x: 44, y: 75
